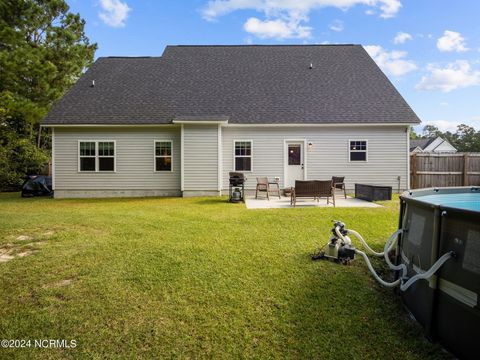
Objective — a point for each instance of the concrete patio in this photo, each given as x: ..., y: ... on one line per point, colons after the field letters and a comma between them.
x: 284, y: 202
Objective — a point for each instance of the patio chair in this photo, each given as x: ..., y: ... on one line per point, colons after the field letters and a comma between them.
x: 262, y: 185
x: 339, y: 184
x: 326, y: 189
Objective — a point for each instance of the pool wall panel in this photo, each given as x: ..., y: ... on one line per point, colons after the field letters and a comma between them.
x: 447, y: 305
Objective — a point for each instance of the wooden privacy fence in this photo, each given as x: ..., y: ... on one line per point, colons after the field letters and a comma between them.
x: 438, y: 170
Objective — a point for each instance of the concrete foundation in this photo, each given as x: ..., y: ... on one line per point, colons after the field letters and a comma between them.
x: 199, y: 193
x: 72, y: 194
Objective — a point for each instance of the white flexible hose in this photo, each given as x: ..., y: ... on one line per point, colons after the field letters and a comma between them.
x: 391, y: 242
x: 339, y: 234
x: 369, y: 249
x: 375, y: 275
x: 428, y: 274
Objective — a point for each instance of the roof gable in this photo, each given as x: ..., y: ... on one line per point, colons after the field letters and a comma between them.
x: 246, y: 84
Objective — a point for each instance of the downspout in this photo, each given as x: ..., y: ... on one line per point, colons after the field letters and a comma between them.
x: 408, y: 157
x: 182, y: 162
x: 53, y: 158
x: 220, y: 159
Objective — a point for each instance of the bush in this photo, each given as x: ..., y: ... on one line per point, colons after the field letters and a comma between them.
x: 19, y: 158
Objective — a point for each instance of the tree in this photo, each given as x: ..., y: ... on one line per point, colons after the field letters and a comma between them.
x: 43, y: 51
x: 469, y: 139
x: 413, y: 134
x: 431, y: 131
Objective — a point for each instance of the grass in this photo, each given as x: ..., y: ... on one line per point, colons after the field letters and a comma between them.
x: 195, y: 278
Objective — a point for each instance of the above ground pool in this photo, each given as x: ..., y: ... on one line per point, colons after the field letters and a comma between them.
x: 435, y: 222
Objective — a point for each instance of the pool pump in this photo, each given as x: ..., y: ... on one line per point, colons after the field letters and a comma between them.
x: 339, y: 248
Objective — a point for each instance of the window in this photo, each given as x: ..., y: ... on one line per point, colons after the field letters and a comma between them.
x: 163, y: 156
x: 294, y: 154
x: 87, y: 156
x: 243, y: 156
x: 358, y: 150
x: 96, y: 156
x: 106, y: 156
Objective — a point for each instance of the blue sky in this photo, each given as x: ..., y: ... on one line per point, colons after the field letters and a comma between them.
x: 430, y: 49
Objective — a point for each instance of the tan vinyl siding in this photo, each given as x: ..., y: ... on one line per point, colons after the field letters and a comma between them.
x: 134, y: 159
x: 200, y: 145
x: 387, y: 153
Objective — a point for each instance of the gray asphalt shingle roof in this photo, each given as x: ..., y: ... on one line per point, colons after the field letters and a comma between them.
x: 250, y: 84
x: 421, y: 143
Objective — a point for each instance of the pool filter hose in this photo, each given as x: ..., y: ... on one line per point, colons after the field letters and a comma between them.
x: 389, y: 245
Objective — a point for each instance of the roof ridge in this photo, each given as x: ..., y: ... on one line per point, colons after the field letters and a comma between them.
x: 260, y: 45
x: 130, y: 57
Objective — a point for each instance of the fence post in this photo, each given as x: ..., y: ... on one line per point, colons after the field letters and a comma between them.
x: 465, y: 169
x: 413, y: 163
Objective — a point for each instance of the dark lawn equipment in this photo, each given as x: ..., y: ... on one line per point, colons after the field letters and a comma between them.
x: 339, y: 247
x: 37, y: 185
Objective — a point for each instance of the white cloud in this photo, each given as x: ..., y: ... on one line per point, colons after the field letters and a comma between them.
x: 444, y: 103
x: 391, y: 62
x: 277, y: 29
x: 114, y: 13
x: 286, y: 18
x: 442, y: 125
x: 458, y: 74
x: 401, y: 38
x: 337, y: 25
x: 451, y: 41
x: 216, y: 8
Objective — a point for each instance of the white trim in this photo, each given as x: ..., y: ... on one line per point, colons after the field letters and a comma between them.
x: 219, y: 158
x: 251, y: 156
x: 284, y: 164
x: 285, y: 158
x: 107, y: 125
x: 227, y: 124
x: 200, y: 122
x: 303, y: 125
x: 366, y: 151
x: 408, y: 157
x: 459, y: 293
x: 155, y: 155
x: 417, y: 150
x: 305, y: 174
x: 53, y: 159
x: 97, y: 156
x: 182, y: 158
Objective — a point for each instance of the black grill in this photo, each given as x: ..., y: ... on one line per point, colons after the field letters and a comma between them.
x: 236, y: 179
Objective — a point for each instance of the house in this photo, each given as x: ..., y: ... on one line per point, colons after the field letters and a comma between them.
x: 432, y: 145
x: 176, y: 125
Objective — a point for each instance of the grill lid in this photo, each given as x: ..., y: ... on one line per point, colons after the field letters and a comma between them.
x: 237, y: 178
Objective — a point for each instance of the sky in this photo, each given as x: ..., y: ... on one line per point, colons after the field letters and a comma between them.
x: 429, y: 49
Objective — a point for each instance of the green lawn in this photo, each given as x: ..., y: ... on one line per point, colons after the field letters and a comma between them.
x: 194, y: 278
